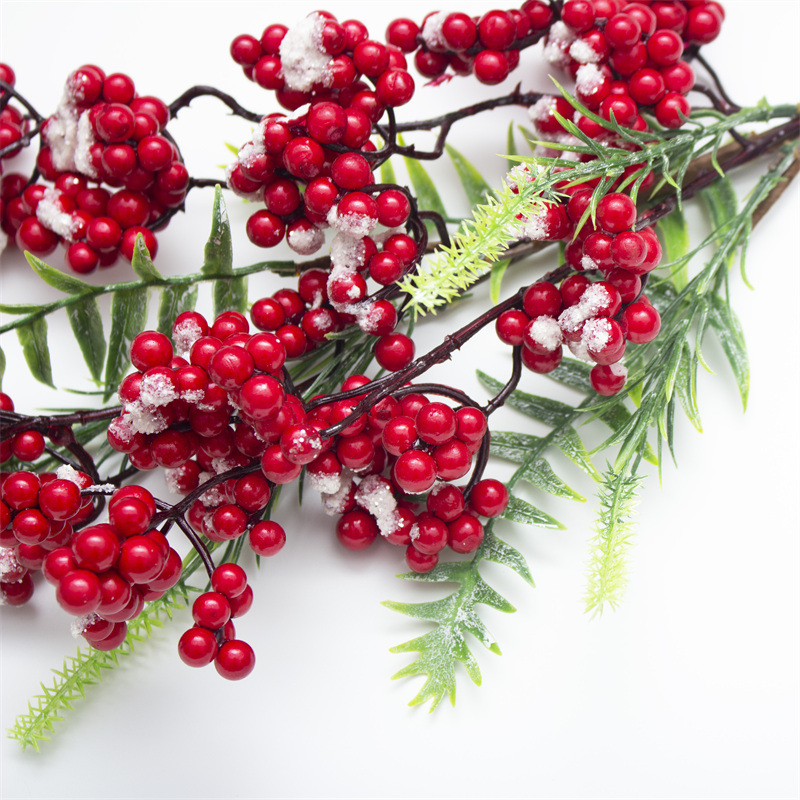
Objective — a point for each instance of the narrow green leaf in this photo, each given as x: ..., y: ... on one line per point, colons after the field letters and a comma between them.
x: 721, y: 202
x: 675, y: 237
x: 20, y: 308
x: 2, y: 366
x: 541, y: 475
x: 473, y: 182
x: 573, y: 373
x: 618, y: 418
x: 87, y: 325
x: 571, y: 445
x: 56, y: 278
x: 175, y: 300
x: 519, y: 510
x: 33, y: 338
x: 128, y: 315
x: 142, y: 263
x: 511, y: 145
x: 729, y: 332
x: 496, y: 278
x: 230, y: 295
x: 387, y: 172
x: 424, y: 187
x: 219, y: 250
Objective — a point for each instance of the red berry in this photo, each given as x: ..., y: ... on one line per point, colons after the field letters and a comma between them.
x: 465, y: 534
x: 235, y: 660
x: 488, y: 498
x: 78, y: 592
x: 197, y: 647
x: 266, y: 538
x: 394, y: 351
x: 356, y: 530
x: 414, y: 471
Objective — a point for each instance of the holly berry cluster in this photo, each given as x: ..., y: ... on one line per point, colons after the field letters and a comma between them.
x: 423, y: 446
x: 13, y: 124
x: 108, y: 171
x: 625, y: 57
x: 594, y: 319
x: 213, y: 636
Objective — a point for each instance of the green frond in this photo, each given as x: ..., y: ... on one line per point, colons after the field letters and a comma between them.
x: 608, y: 562
x: 85, y: 669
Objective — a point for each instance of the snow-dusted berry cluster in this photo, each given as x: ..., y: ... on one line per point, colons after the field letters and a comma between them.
x: 106, y: 172
x: 594, y: 319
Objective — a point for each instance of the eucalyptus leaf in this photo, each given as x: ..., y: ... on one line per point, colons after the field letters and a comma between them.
x: 87, y: 325
x: 33, y: 338
x: 476, y: 188
x: 175, y: 300
x: 56, y: 278
x: 128, y: 316
x: 142, y: 263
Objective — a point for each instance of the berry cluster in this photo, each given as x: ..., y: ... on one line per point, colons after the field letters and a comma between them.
x: 108, y: 571
x: 25, y: 446
x: 38, y: 514
x: 423, y: 446
x: 626, y: 57
x: 102, y: 135
x: 594, y: 319
x: 213, y: 636
x: 13, y: 124
x: 487, y: 47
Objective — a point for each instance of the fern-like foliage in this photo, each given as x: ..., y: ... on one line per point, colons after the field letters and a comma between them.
x: 479, y: 242
x: 608, y: 561
x: 85, y: 669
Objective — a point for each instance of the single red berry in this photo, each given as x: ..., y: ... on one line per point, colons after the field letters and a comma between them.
x: 394, y: 351
x: 78, y: 592
x: 266, y: 538
x: 414, y: 471
x: 420, y: 562
x: 197, y: 647
x: 465, y: 534
x: 235, y: 660
x: 488, y: 498
x: 356, y: 530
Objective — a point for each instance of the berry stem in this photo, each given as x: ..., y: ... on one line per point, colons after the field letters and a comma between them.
x: 183, y: 100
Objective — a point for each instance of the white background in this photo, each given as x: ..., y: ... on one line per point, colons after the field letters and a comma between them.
x: 689, y: 690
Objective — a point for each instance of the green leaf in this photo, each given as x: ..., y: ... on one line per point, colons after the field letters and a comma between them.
x: 20, y: 308
x: 519, y: 510
x: 57, y: 279
x: 2, y: 366
x: 424, y: 188
x: 675, y: 236
x: 511, y: 145
x: 729, y: 332
x: 473, y: 182
x: 33, y: 338
x: 87, y: 325
x: 128, y: 316
x: 721, y: 202
x: 142, y: 263
x: 219, y: 250
x: 571, y: 445
x: 387, y: 172
x: 540, y: 474
x: 618, y: 418
x: 548, y: 411
x: 496, y: 278
x: 495, y: 549
x: 175, y: 300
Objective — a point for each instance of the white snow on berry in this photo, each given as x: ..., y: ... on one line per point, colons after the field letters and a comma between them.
x: 157, y: 390
x: 171, y: 478
x: 51, y: 216
x: 571, y: 318
x: 184, y: 335
x: 211, y: 497
x: 305, y: 241
x: 11, y: 571
x: 347, y: 251
x: 583, y: 52
x: 358, y: 225
x: 559, y: 38
x: 368, y: 317
x: 432, y: 31
x: 144, y: 419
x: 588, y: 263
x: 620, y: 370
x: 254, y: 197
x: 596, y: 334
x: 546, y: 332
x: 588, y: 78
x: 3, y: 241
x: 542, y: 109
x: 535, y: 227
x: 578, y: 349
x: 304, y: 64
x: 414, y: 532
x: 80, y: 624
x: 336, y: 502
x: 61, y: 134
x: 67, y: 473
x: 324, y: 482
x: 84, y: 139
x: 375, y: 495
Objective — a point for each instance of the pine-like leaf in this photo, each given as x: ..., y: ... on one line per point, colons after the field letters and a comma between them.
x: 85, y: 669
x: 608, y: 566
x: 33, y: 338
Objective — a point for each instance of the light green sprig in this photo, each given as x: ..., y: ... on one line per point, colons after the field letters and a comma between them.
x: 608, y: 561
x: 479, y: 242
